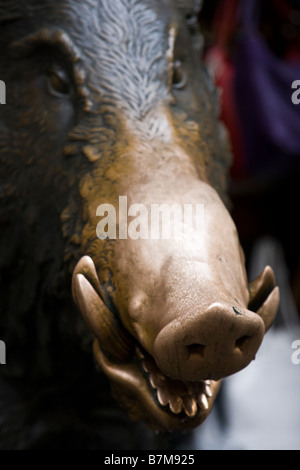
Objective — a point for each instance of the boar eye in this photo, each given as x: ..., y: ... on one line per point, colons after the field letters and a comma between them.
x: 179, y: 75
x: 58, y: 83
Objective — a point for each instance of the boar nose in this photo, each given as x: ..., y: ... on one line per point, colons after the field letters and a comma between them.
x: 211, y: 345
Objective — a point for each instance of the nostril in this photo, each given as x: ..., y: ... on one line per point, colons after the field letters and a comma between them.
x: 242, y: 342
x: 196, y: 349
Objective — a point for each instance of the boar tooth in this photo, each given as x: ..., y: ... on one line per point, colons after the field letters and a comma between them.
x: 203, y: 402
x: 175, y: 405
x: 207, y: 390
x: 145, y: 367
x: 139, y: 353
x: 152, y: 382
x: 190, y: 407
x: 207, y: 382
x: 163, y: 398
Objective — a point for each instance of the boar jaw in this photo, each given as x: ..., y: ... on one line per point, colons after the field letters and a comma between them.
x: 138, y: 384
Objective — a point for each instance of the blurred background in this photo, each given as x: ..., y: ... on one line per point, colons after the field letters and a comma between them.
x: 253, y: 51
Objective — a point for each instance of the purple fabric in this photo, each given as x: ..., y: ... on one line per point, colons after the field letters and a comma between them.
x: 263, y: 84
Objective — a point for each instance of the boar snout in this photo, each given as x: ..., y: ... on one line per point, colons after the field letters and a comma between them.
x: 215, y: 343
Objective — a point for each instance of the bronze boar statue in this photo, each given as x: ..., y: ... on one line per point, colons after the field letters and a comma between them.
x: 109, y: 111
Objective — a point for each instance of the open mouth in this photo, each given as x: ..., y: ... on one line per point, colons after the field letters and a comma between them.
x: 137, y: 383
x: 150, y: 396
x: 186, y: 398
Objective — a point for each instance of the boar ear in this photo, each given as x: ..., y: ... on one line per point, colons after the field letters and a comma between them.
x: 264, y: 296
x: 113, y: 340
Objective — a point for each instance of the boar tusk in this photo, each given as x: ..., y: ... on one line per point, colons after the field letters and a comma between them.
x: 260, y: 288
x: 114, y: 342
x: 269, y: 308
x: 264, y: 296
x: 87, y: 267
